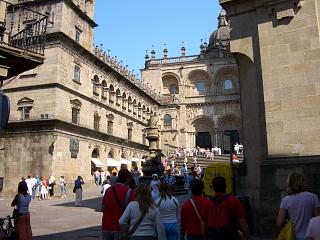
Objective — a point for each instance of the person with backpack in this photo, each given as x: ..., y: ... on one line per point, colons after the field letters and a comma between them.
x: 169, y: 211
x: 141, y: 219
x: 114, y: 202
x: 77, y: 189
x: 190, y: 212
x: 224, y: 215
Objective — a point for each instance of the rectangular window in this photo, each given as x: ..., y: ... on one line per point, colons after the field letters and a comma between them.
x: 25, y: 113
x: 129, y: 134
x: 96, y: 122
x: 110, y: 128
x: 76, y: 73
x: 78, y: 34
x: 75, y: 115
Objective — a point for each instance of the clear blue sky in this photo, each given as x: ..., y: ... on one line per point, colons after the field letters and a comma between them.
x: 129, y: 27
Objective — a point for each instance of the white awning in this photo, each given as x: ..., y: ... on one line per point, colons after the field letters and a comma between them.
x: 113, y: 163
x: 97, y: 162
x: 137, y: 160
x: 124, y: 161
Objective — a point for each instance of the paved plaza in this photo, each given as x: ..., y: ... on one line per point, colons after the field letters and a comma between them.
x: 57, y: 218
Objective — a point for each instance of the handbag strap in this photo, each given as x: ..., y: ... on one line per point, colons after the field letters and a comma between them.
x: 195, y: 209
x: 134, y: 228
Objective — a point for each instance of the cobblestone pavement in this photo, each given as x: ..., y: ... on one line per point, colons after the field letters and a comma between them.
x: 57, y: 218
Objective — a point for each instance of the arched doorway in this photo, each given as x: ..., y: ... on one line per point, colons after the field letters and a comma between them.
x: 96, y: 164
x: 229, y: 127
x: 203, y: 132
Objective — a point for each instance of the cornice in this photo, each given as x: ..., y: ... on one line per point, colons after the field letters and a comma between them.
x: 236, y: 7
x: 65, y: 41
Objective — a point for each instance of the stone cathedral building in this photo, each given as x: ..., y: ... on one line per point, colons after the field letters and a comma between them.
x: 81, y: 109
x: 200, y: 94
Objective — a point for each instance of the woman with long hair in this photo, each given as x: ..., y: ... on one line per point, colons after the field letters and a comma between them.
x: 22, y: 222
x: 169, y: 211
x: 299, y: 206
x: 141, y: 219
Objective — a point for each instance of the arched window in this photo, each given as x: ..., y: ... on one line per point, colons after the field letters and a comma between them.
x: 95, y: 153
x: 118, y: 97
x: 228, y: 85
x: 110, y: 154
x: 173, y: 89
x: 95, y: 82
x: 167, y: 120
x: 104, y: 89
x: 111, y: 93
x: 124, y: 100
x: 200, y: 87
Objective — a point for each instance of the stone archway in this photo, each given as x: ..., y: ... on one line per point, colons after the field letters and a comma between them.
x: 203, y: 132
x: 95, y: 160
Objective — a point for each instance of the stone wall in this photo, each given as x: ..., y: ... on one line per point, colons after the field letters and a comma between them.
x: 276, y: 45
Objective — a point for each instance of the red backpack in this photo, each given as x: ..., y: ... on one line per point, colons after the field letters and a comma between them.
x: 218, y: 215
x: 220, y: 224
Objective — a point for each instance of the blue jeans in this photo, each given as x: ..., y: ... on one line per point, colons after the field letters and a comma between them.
x: 194, y: 237
x: 172, y: 231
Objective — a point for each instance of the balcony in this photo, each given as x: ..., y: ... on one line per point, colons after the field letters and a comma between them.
x: 205, y: 56
x: 22, y: 39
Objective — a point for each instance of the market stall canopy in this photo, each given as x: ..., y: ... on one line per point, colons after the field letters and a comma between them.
x: 113, y: 163
x: 137, y: 160
x: 124, y: 161
x: 97, y: 162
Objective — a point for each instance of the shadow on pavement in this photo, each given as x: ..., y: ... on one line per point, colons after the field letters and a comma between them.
x: 92, y: 233
x: 93, y: 203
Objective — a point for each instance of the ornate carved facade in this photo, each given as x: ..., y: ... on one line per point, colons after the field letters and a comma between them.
x: 200, y: 94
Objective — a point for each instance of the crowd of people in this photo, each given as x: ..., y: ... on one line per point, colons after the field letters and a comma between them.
x: 208, y: 153
x: 152, y: 212
x: 41, y: 187
x: 133, y: 210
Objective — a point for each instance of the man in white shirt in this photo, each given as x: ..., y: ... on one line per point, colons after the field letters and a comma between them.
x: 29, y: 184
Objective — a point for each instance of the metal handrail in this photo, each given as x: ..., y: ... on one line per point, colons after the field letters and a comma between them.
x: 25, y: 28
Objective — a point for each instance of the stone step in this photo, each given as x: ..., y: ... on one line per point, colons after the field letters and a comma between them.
x: 204, y: 162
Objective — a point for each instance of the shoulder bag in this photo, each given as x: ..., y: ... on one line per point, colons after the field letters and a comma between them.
x: 287, y: 232
x: 15, y: 213
x: 134, y: 228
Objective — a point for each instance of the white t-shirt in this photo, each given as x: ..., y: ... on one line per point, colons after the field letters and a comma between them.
x: 62, y: 182
x: 105, y: 187
x: 314, y: 228
x: 149, y: 226
x: 169, y: 209
x: 300, y: 207
x: 29, y: 184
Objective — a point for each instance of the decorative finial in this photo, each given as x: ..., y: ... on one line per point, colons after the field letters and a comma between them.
x: 153, y: 53
x: 183, y: 50
x: 147, y: 55
x: 201, y: 46
x: 165, y: 51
